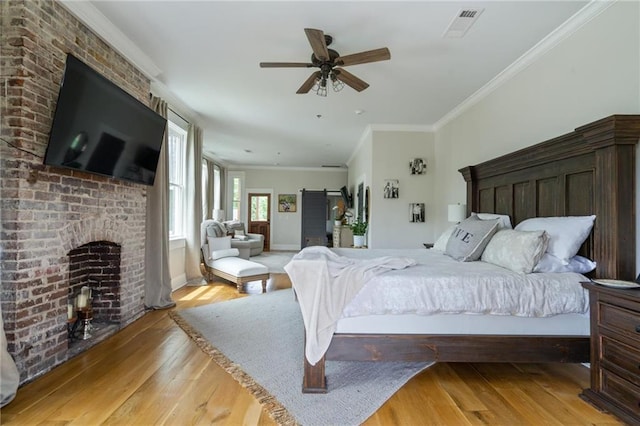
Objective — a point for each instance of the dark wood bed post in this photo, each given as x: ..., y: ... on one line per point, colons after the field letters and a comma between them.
x: 314, y: 379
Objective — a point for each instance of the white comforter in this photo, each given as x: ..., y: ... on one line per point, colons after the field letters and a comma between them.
x: 437, y: 284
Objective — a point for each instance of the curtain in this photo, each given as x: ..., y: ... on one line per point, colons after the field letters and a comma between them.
x: 194, y: 206
x: 157, y: 286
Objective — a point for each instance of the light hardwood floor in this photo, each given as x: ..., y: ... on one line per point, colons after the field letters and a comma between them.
x: 152, y: 373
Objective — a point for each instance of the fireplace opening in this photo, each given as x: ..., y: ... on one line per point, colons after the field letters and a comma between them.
x: 93, y: 304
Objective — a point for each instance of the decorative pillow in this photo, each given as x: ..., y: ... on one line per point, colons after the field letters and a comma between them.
x: 470, y: 237
x: 234, y: 226
x: 578, y: 264
x: 505, y: 220
x: 216, y: 229
x: 441, y: 242
x: 219, y: 254
x: 239, y: 232
x: 240, y: 237
x: 519, y: 251
x: 566, y: 234
x: 219, y: 243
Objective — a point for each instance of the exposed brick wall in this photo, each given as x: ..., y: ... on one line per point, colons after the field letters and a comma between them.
x: 48, y: 211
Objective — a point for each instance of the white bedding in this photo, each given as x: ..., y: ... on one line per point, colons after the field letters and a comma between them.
x: 439, y: 284
x: 436, y: 285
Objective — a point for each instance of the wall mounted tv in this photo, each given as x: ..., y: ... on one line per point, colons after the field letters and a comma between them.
x: 100, y: 128
x: 346, y: 197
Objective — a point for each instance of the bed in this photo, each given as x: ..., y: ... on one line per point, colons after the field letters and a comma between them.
x: 590, y: 171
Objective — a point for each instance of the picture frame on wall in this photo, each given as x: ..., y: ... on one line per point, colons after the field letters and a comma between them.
x: 287, y: 203
x: 418, y: 166
x: 416, y: 212
x: 391, y: 188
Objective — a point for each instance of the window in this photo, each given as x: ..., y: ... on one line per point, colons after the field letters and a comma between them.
x: 205, y: 187
x: 217, y: 189
x: 177, y: 145
x: 237, y: 198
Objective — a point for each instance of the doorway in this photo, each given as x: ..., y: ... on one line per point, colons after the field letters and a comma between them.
x: 260, y: 217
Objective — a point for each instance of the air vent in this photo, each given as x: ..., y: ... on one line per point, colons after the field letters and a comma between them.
x: 462, y: 22
x: 331, y: 166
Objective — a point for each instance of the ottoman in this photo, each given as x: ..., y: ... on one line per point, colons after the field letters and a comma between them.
x: 240, y: 271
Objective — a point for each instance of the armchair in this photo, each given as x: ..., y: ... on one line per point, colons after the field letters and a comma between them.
x: 248, y: 244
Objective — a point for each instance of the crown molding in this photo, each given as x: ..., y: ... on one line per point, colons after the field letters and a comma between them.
x: 89, y: 15
x: 569, y: 27
x: 240, y: 167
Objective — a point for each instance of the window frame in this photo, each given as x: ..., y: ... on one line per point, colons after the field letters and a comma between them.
x: 177, y: 180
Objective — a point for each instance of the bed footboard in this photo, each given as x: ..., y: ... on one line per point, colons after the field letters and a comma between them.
x: 445, y: 348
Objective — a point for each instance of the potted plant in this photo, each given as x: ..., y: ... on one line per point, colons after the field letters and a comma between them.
x: 359, y: 228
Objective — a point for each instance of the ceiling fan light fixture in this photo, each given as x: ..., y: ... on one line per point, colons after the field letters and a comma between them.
x: 337, y: 84
x: 322, y: 87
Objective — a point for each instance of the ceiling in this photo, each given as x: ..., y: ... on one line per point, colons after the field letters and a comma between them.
x: 205, y: 54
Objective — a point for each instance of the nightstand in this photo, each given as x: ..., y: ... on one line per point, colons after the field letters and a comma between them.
x: 615, y: 351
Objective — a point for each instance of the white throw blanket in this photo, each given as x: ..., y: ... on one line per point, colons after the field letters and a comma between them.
x: 325, y: 283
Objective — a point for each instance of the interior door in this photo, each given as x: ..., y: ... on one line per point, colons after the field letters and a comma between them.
x: 260, y: 217
x: 314, y: 218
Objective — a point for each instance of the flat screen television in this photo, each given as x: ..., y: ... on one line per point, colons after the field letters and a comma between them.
x: 348, y: 200
x: 100, y: 128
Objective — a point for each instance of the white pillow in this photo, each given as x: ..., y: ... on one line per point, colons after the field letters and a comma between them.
x: 566, y: 234
x: 469, y: 238
x: 519, y: 251
x: 441, y: 242
x: 578, y: 264
x: 219, y: 243
x: 219, y: 254
x: 504, y: 220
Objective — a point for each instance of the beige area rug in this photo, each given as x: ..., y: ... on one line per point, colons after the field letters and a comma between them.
x: 259, y: 341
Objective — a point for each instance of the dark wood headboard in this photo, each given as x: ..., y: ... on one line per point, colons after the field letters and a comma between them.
x: 588, y: 171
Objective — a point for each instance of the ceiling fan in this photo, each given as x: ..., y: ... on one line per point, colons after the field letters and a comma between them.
x: 329, y: 61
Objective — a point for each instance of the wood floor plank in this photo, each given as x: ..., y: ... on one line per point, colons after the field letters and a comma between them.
x: 151, y: 372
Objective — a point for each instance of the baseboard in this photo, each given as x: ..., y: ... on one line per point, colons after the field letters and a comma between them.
x: 178, y: 281
x: 285, y: 247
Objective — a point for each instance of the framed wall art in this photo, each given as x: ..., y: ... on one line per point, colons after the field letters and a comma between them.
x: 287, y: 203
x: 418, y: 166
x: 416, y: 212
x: 391, y: 188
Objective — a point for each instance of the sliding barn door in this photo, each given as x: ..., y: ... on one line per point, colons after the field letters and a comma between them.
x: 314, y: 218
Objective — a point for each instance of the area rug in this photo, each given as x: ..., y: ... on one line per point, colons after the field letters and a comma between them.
x: 259, y: 341
x: 274, y: 260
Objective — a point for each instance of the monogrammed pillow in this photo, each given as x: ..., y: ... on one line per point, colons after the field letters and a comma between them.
x: 470, y: 237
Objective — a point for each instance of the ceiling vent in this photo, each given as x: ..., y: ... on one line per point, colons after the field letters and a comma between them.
x: 461, y: 23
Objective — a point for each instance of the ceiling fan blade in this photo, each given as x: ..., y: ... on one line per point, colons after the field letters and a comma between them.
x: 285, y: 65
x: 318, y: 44
x: 375, y: 55
x: 308, y: 84
x: 350, y: 80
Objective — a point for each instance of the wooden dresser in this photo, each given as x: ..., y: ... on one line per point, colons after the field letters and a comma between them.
x: 342, y: 236
x: 615, y: 351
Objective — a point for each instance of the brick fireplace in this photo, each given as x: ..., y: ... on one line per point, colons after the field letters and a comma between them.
x: 48, y: 214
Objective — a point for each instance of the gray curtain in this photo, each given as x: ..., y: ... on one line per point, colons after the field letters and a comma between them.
x: 157, y: 287
x: 194, y: 206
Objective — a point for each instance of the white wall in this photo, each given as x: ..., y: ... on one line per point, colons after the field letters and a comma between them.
x: 592, y: 74
x: 286, y: 227
x: 391, y: 152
